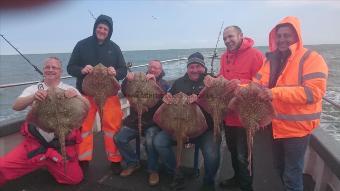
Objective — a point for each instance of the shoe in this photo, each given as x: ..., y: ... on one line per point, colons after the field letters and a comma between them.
x: 177, y: 183
x: 207, y: 187
x: 153, y: 178
x: 129, y: 170
x: 116, y: 168
x: 230, y: 183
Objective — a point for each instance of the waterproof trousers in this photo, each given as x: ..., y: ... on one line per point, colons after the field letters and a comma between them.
x: 16, y: 163
x: 112, y: 118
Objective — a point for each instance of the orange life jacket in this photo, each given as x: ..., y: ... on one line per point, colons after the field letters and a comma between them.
x: 297, y: 95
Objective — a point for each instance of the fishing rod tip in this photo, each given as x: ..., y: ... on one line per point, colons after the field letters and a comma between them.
x: 129, y: 64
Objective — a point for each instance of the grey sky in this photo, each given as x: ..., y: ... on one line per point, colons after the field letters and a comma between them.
x: 145, y: 25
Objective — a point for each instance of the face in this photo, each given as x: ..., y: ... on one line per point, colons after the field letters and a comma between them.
x: 102, y: 31
x: 232, y: 38
x: 285, y: 36
x: 52, y: 70
x: 155, y: 68
x: 194, y: 71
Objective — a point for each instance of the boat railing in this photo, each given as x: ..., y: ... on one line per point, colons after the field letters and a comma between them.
x: 129, y: 64
x: 322, y: 159
x: 336, y: 105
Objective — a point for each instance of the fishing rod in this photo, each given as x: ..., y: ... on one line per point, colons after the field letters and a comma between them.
x: 92, y: 14
x: 34, y: 66
x: 215, y: 53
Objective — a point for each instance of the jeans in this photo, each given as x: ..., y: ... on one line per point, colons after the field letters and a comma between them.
x: 163, y: 143
x: 236, y: 139
x: 126, y: 134
x: 288, y: 156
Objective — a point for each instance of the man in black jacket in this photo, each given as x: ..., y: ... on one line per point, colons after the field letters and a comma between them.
x: 129, y: 130
x: 89, y: 52
x: 192, y: 83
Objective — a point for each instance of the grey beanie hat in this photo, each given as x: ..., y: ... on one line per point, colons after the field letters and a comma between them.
x: 196, y: 58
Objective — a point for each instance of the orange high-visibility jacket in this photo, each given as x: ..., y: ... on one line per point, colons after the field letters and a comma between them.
x: 297, y: 95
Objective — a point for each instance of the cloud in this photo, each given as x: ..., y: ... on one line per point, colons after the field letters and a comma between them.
x: 188, y: 4
x: 300, y: 3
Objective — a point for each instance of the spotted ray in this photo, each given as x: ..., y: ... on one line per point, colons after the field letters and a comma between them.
x: 182, y: 120
x: 58, y: 114
x: 215, y: 100
x: 254, y: 113
x: 142, y: 95
x: 100, y: 85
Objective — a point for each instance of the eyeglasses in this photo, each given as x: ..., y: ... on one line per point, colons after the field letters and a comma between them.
x: 51, y: 68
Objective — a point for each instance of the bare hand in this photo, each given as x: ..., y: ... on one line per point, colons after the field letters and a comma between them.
x: 167, y: 98
x: 40, y: 95
x: 87, y: 69
x: 111, y: 71
x: 233, y: 85
x: 266, y: 95
x: 192, y: 98
x: 70, y: 93
x: 130, y: 76
x: 208, y: 81
x: 151, y: 77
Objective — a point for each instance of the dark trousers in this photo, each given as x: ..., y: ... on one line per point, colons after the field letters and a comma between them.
x: 210, y: 148
x: 237, y: 144
x: 289, y: 161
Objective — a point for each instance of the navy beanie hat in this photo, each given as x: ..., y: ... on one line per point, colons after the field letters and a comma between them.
x: 196, y: 58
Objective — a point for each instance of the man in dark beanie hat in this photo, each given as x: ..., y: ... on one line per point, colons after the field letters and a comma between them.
x: 191, y: 84
x: 89, y: 52
x: 196, y: 58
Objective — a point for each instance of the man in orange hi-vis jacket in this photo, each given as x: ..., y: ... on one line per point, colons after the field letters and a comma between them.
x: 296, y: 80
x: 89, y: 52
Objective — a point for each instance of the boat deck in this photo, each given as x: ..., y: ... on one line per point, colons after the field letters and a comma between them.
x: 98, y: 175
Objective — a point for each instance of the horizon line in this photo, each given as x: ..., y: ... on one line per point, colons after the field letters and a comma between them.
x: 156, y: 49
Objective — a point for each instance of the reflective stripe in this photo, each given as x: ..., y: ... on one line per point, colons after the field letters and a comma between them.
x: 313, y: 76
x: 302, y: 62
x: 299, y: 117
x: 309, y: 94
x: 287, y: 86
x: 109, y: 134
x: 85, y: 155
x: 85, y: 134
x: 113, y: 154
x: 258, y: 76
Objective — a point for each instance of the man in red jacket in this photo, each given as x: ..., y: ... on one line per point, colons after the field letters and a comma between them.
x: 239, y: 64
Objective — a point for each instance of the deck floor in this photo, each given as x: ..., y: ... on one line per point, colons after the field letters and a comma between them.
x: 99, y: 177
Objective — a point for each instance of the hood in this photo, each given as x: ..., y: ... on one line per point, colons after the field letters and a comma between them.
x: 108, y: 20
x: 296, y: 25
x: 246, y: 43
